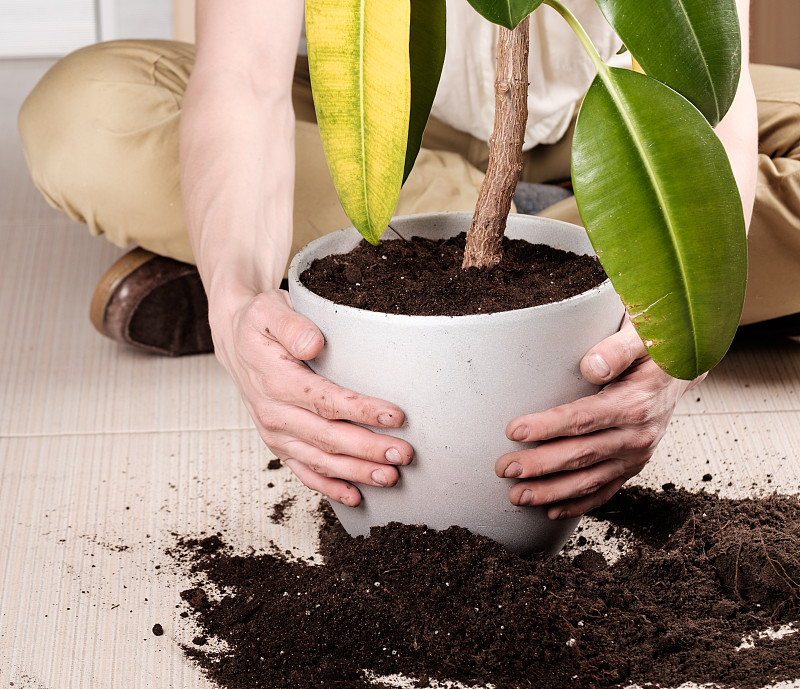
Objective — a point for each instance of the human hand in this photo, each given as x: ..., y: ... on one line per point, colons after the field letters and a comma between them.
x: 302, y: 417
x: 591, y: 447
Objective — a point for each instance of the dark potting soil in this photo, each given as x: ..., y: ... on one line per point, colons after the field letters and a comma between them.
x: 280, y: 509
x: 702, y: 574
x: 424, y: 277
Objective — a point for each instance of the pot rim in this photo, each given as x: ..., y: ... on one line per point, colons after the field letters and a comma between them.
x: 498, y: 316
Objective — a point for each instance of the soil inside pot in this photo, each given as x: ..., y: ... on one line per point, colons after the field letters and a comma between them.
x: 423, y: 277
x: 702, y: 574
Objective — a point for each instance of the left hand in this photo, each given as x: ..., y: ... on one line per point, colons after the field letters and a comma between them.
x: 591, y: 447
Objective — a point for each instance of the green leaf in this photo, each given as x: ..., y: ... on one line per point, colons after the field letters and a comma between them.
x: 506, y: 13
x: 693, y: 46
x: 426, y: 48
x: 658, y: 198
x: 358, y: 56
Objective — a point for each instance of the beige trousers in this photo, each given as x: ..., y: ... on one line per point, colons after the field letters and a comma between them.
x: 100, y: 135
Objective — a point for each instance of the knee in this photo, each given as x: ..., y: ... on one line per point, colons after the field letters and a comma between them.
x: 56, y: 117
x: 63, y: 93
x: 94, y: 110
x: 109, y: 79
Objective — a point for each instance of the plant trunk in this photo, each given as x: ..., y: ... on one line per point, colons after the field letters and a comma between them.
x: 485, y: 235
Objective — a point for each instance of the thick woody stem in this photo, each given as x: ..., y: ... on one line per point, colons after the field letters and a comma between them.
x: 485, y: 236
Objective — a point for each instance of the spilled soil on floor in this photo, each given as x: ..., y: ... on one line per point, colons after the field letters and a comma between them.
x: 690, y: 599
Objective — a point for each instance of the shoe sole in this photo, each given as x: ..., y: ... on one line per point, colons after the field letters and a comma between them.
x: 110, y: 282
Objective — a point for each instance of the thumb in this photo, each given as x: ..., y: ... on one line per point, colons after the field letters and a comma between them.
x: 611, y: 357
x: 301, y: 338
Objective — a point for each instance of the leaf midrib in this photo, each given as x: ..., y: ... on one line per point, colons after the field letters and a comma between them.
x: 605, y: 76
x: 702, y: 54
x: 362, y: 110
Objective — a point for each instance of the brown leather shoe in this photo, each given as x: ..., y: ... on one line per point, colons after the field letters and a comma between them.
x: 153, y: 303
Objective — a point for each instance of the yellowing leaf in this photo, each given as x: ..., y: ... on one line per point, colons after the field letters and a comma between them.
x: 359, y: 62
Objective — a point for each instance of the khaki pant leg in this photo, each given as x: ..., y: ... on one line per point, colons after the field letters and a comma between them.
x: 773, y: 287
x: 541, y: 164
x: 100, y: 135
x: 566, y: 210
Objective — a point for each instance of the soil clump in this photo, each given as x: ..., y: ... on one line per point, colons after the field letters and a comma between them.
x: 280, y: 510
x: 424, y: 277
x: 701, y: 575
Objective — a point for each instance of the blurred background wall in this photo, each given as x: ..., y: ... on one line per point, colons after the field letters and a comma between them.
x: 50, y: 28
x: 775, y: 25
x: 774, y: 29
x: 54, y: 27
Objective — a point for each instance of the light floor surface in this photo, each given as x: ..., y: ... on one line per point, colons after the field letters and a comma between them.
x: 106, y: 453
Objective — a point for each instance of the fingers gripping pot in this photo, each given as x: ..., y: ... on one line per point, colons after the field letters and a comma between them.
x: 460, y: 380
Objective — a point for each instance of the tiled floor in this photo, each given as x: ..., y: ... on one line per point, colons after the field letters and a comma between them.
x: 105, y: 453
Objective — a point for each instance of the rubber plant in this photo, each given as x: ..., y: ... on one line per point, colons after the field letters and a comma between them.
x: 652, y: 181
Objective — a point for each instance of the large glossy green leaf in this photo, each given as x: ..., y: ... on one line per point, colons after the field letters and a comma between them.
x: 658, y: 198
x: 693, y: 46
x: 358, y: 55
x: 506, y: 13
x: 426, y: 49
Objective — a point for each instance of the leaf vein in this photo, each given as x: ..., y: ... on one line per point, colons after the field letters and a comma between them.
x: 641, y: 147
x: 700, y: 52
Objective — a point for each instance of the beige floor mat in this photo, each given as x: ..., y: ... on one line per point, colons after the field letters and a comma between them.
x: 105, y: 454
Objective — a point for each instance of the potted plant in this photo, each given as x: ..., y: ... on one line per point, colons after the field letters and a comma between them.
x: 647, y: 171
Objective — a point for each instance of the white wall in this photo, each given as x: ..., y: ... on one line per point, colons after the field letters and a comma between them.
x: 773, y: 36
x: 49, y: 28
x: 45, y: 27
x: 138, y: 19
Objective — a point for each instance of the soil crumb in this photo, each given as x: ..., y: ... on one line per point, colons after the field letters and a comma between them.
x: 424, y: 277
x: 690, y: 600
x: 280, y: 509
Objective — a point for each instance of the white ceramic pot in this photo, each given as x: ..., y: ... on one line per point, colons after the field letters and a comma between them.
x: 460, y: 380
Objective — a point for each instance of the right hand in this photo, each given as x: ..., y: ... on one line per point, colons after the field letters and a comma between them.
x: 302, y: 417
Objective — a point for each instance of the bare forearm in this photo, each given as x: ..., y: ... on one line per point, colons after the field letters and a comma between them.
x: 738, y: 130
x: 237, y: 164
x: 237, y: 144
x: 237, y: 175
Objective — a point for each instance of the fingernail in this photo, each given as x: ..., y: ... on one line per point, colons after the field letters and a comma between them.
x: 520, y: 433
x: 304, y: 341
x: 385, y: 419
x: 562, y: 515
x: 379, y: 477
x: 599, y: 365
x: 393, y: 456
x: 526, y: 498
x: 513, y: 470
